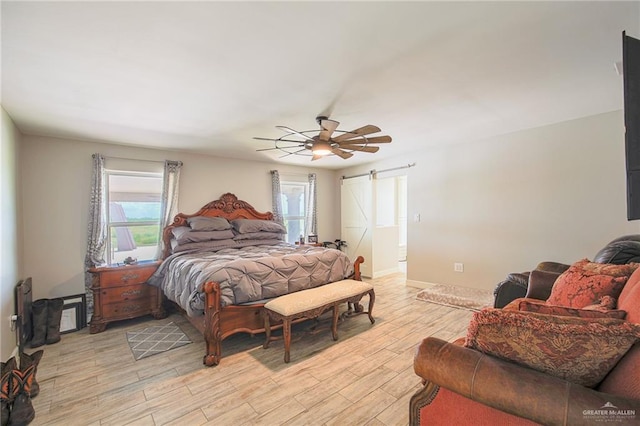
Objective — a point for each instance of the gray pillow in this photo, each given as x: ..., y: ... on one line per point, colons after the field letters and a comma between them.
x: 200, y: 236
x: 212, y: 245
x: 246, y: 226
x: 202, y: 223
x: 259, y: 236
x: 179, y: 231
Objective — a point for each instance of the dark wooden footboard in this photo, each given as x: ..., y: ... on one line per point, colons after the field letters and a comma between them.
x: 220, y: 323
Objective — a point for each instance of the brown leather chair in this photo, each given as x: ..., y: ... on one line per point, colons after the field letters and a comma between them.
x: 465, y: 386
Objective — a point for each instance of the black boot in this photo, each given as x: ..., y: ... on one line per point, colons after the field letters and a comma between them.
x: 54, y: 315
x: 5, y: 388
x: 27, y: 361
x: 39, y: 310
x: 22, y: 411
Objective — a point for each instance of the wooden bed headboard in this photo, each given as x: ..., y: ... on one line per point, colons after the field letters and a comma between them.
x: 227, y: 206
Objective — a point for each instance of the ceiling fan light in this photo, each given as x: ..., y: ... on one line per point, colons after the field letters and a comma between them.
x: 321, y: 148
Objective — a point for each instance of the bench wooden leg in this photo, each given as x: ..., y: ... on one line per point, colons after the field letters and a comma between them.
x: 372, y: 299
x: 286, y: 331
x: 334, y: 322
x: 267, y: 330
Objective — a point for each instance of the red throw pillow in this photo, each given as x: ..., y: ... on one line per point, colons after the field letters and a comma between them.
x: 586, y: 283
x: 540, y: 307
x: 580, y: 350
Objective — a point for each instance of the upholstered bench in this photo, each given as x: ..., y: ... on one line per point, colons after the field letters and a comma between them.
x: 311, y: 303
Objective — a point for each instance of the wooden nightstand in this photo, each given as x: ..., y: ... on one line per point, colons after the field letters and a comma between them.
x: 120, y: 292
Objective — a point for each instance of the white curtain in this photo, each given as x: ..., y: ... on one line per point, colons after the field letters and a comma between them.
x: 276, y: 197
x: 311, y: 222
x: 169, y: 208
x: 97, y: 227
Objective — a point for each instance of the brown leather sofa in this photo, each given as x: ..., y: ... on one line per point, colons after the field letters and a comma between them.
x: 625, y: 249
x: 463, y: 386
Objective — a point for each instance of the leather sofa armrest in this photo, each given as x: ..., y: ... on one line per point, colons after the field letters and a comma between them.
x: 552, y: 267
x: 540, y: 284
x: 510, y: 289
x: 509, y: 387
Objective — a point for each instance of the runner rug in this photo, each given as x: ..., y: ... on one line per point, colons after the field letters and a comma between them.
x: 156, y: 339
x: 457, y: 297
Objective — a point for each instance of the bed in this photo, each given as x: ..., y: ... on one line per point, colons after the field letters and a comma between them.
x: 222, y: 286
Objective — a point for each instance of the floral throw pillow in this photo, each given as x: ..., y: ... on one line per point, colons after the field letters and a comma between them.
x: 579, y: 350
x: 586, y: 283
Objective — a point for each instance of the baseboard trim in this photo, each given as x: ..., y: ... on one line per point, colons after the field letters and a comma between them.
x: 378, y: 274
x: 419, y: 284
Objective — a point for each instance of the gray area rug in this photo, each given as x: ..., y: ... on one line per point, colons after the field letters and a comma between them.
x: 457, y: 297
x: 156, y: 339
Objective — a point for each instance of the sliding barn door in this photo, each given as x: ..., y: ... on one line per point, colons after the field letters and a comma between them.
x: 357, y: 220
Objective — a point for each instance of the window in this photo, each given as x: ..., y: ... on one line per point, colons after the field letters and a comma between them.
x: 294, y: 202
x: 133, y: 216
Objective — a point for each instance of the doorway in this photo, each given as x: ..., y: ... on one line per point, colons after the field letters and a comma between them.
x: 391, y: 201
x: 374, y: 222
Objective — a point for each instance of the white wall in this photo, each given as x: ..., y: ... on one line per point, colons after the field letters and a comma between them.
x: 504, y: 204
x: 56, y: 175
x: 9, y: 247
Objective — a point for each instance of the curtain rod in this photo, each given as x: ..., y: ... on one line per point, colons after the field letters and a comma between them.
x: 374, y: 171
x: 293, y: 173
x: 133, y: 159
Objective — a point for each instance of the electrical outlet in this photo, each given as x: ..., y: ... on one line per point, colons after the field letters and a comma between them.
x: 12, y: 322
x: 458, y: 267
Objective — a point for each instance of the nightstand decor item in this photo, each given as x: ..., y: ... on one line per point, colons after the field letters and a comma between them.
x: 121, y: 292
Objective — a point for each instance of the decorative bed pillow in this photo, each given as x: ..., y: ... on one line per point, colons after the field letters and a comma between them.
x: 259, y: 236
x: 201, y: 236
x: 579, y: 350
x: 586, y: 283
x: 202, y: 223
x: 178, y: 231
x: 210, y: 245
x: 540, y: 307
x: 247, y: 226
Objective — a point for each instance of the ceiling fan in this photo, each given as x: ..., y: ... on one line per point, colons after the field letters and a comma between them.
x: 329, y: 140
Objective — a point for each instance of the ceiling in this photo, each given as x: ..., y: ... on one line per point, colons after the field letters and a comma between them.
x: 206, y: 77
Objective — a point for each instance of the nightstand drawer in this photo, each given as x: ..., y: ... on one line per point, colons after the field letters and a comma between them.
x: 125, y: 293
x: 130, y: 309
x: 126, y: 276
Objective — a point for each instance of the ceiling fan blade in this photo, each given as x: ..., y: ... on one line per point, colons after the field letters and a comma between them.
x: 366, y: 141
x: 371, y: 149
x: 328, y: 126
x: 378, y: 139
x: 362, y: 131
x: 341, y: 153
x: 286, y: 129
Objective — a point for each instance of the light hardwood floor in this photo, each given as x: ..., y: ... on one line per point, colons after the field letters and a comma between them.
x: 365, y: 378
